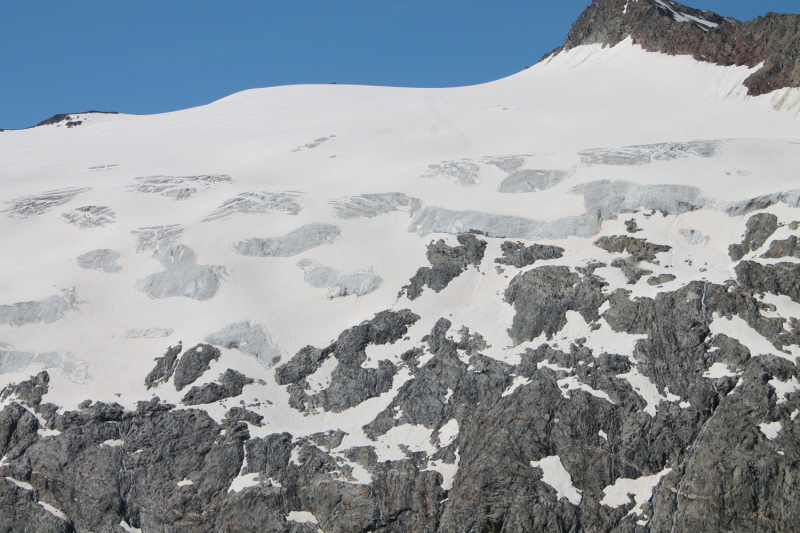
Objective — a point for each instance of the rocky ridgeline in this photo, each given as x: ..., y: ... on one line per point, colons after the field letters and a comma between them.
x: 672, y: 28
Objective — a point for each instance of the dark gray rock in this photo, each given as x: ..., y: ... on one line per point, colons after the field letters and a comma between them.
x: 193, y: 363
x: 240, y: 414
x: 639, y: 249
x: 780, y: 279
x: 230, y: 385
x: 350, y: 383
x: 519, y: 255
x: 786, y: 248
x: 164, y: 368
x: 632, y: 273
x: 669, y: 27
x: 447, y: 263
x: 661, y: 279
x: 29, y: 392
x: 759, y: 228
x: 542, y: 296
x: 631, y: 226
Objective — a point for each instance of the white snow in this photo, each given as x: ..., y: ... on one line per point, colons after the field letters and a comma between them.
x: 20, y: 484
x: 243, y: 481
x: 130, y: 529
x: 771, y: 429
x: 557, y: 477
x: 518, y: 382
x: 53, y: 511
x: 603, y: 434
x: 719, y: 370
x: 782, y: 388
x: 185, y: 482
x: 303, y: 517
x: 641, y: 489
x: 448, y: 432
x: 113, y: 443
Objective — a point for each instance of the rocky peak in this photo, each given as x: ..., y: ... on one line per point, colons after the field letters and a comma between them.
x: 672, y: 28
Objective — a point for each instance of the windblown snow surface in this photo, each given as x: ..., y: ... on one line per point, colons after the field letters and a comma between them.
x: 597, y: 137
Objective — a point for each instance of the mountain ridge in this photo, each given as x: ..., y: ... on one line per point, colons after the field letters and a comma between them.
x: 675, y: 29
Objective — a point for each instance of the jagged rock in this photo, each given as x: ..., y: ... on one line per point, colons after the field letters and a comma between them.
x: 350, y: 383
x: 671, y: 28
x: 779, y: 279
x: 661, y: 279
x: 639, y: 249
x: 542, y: 296
x: 230, y: 385
x: 759, y: 228
x: 631, y: 226
x: 164, y: 368
x: 447, y: 263
x: 21, y: 513
x: 193, y: 363
x: 31, y: 391
x: 519, y: 255
x: 632, y: 272
x: 240, y: 414
x: 785, y: 248
x: 328, y: 439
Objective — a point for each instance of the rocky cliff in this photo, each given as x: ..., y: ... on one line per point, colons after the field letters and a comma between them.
x: 669, y: 27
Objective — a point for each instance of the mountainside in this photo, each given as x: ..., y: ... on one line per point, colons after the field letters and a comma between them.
x: 672, y: 28
x: 564, y: 301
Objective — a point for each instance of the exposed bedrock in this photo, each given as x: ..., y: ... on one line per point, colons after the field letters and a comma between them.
x: 671, y: 28
x: 760, y: 227
x: 639, y: 249
x: 781, y: 279
x: 230, y: 385
x: 192, y: 364
x: 542, y: 296
x: 447, y: 263
x: 519, y: 255
x: 165, y: 366
x: 350, y: 383
x: 786, y: 248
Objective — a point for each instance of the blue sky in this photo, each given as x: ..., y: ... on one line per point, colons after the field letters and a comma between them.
x: 153, y: 56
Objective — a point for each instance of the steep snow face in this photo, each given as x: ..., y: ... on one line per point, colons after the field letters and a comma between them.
x: 276, y: 225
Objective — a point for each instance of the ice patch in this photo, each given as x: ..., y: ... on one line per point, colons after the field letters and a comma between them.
x: 89, y: 216
x: 258, y: 203
x: 149, y: 333
x: 21, y: 484
x: 694, y: 236
x: 338, y: 282
x: 648, y: 153
x: 47, y: 310
x: 185, y: 482
x: 523, y: 181
x: 113, y: 443
x: 464, y: 172
x: 178, y: 187
x: 182, y: 276
x: 296, y: 242
x: 157, y: 237
x: 372, y: 205
x: 572, y: 383
x: 557, y: 477
x: 249, y: 339
x: 103, y: 259
x: 39, y: 204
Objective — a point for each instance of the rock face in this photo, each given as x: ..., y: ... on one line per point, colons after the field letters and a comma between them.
x: 447, y: 263
x: 672, y: 28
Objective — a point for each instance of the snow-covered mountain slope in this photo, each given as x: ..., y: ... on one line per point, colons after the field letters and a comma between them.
x: 519, y: 306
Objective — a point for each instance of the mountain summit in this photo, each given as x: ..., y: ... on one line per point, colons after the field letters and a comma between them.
x: 672, y: 28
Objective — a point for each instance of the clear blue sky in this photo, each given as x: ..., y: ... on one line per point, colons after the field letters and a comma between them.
x: 152, y: 56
